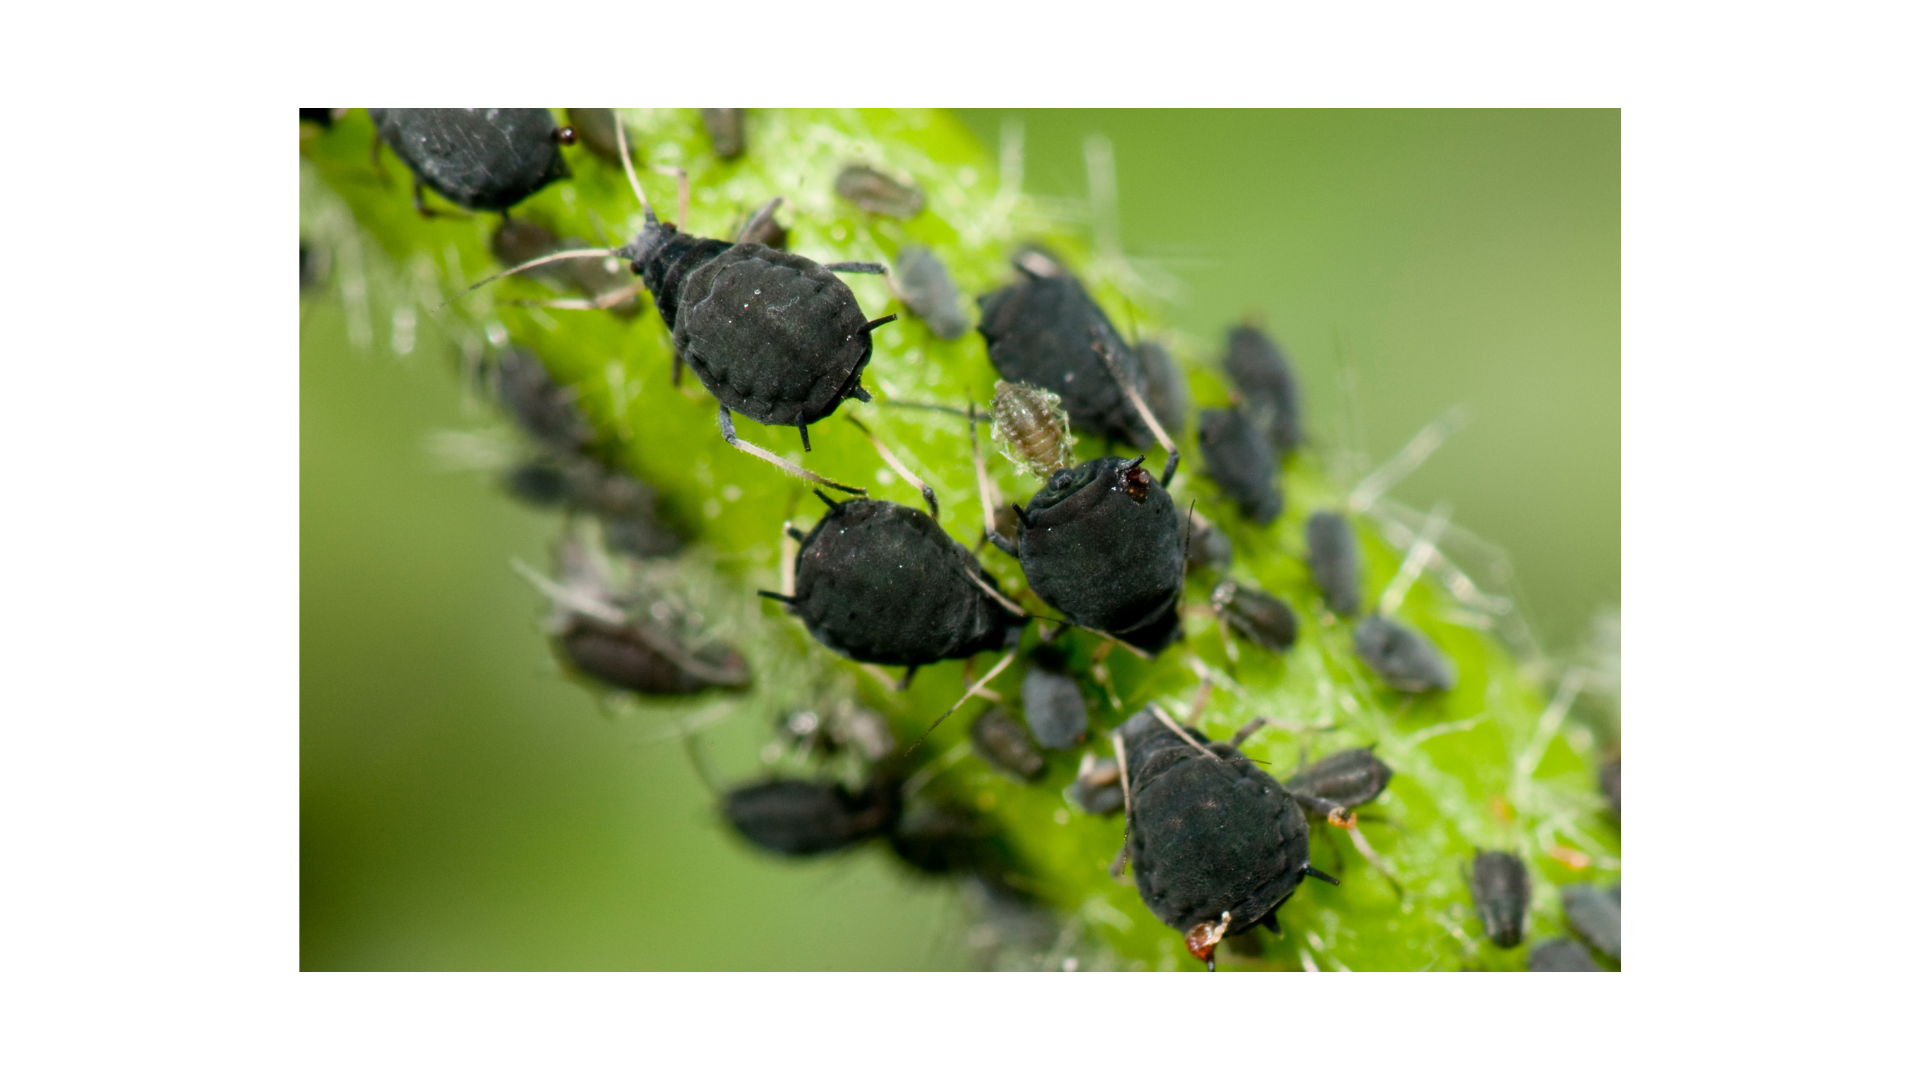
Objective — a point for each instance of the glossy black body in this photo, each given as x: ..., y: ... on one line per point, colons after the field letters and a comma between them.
x: 774, y: 336
x: 1501, y: 893
x: 1350, y: 778
x: 1267, y: 386
x: 1101, y: 542
x: 1594, y: 914
x: 1560, y: 954
x: 1001, y: 741
x: 1040, y: 331
x: 1333, y: 554
x: 1260, y: 617
x: 645, y: 661
x: 482, y: 159
x: 1402, y: 656
x: 923, y: 284
x: 1208, y: 835
x: 799, y: 817
x: 1239, y: 459
x: 882, y: 583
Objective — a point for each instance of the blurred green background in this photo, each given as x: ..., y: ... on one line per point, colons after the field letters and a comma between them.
x: 463, y: 807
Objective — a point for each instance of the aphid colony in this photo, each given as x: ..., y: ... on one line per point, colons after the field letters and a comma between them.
x: 1216, y: 844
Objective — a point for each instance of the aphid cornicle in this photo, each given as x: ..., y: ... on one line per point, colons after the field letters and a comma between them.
x: 1334, y: 557
x: 1259, y: 617
x: 1239, y: 459
x: 883, y: 583
x: 1217, y: 845
x: 1560, y: 954
x: 1501, y: 893
x: 1056, y: 710
x: 1402, y: 656
x: 1101, y: 542
x: 481, y: 159
x: 1037, y: 333
x: 1266, y: 383
x: 1000, y: 741
x: 800, y: 817
x: 1594, y: 914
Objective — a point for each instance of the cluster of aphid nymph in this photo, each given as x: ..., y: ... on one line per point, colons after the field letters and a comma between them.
x: 1095, y: 547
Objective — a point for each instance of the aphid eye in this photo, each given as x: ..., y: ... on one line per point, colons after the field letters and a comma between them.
x: 568, y: 137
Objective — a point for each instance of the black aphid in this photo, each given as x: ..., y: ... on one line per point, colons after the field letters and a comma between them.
x: 921, y: 282
x: 1239, y: 459
x: 877, y: 193
x: 1055, y: 709
x: 798, y: 817
x: 1402, y: 656
x: 643, y: 658
x: 1097, y: 785
x: 1501, y: 893
x: 1101, y: 542
x: 1348, y: 779
x: 322, y: 118
x: 628, y: 509
x: 1610, y: 784
x: 1166, y: 385
x: 1261, y: 618
x: 1217, y: 844
x: 728, y: 130
x: 1560, y: 954
x: 1206, y: 544
x: 519, y: 240
x: 1594, y: 914
x: 1037, y: 333
x: 595, y: 127
x: 945, y: 838
x: 1267, y: 385
x: 1334, y: 557
x: 883, y: 583
x: 1000, y: 741
x: 481, y: 159
x: 542, y: 408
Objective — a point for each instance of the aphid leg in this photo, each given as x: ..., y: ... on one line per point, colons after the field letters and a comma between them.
x: 998, y: 597
x: 989, y: 495
x: 1321, y: 874
x: 679, y: 365
x: 1333, y: 812
x: 1119, y: 864
x: 894, y: 463
x: 380, y: 167
x: 906, y: 678
x: 1366, y: 852
x: 806, y: 444
x: 633, y: 178
x: 1246, y: 731
x: 768, y: 456
x: 992, y: 673
x: 857, y: 268
x: 420, y: 204
x: 1139, y: 406
x: 1200, y: 702
x: 1160, y: 714
x: 771, y: 595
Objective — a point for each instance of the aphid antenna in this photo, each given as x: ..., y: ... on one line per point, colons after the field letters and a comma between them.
x: 771, y: 458
x: 1407, y: 459
x: 893, y: 462
x: 789, y: 551
x: 1140, y: 406
x: 633, y: 178
x: 1200, y: 701
x: 1214, y: 675
x: 1160, y: 714
x: 1103, y: 196
x: 1119, y: 864
x: 1418, y: 556
x: 928, y: 406
x: 567, y: 597
x: 558, y: 256
x: 992, y: 673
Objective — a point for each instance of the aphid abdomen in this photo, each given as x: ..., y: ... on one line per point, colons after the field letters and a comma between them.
x: 1034, y: 428
x: 1208, y: 836
x: 1334, y: 557
x: 774, y: 336
x: 884, y: 584
x: 1240, y: 460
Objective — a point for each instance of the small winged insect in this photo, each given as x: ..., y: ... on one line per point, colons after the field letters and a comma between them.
x: 1334, y: 557
x: 1594, y: 914
x: 877, y: 193
x: 1166, y: 385
x: 1037, y: 333
x: 628, y: 509
x: 1055, y: 709
x: 480, y: 159
x: 595, y: 127
x: 728, y: 130
x: 772, y: 335
x: 519, y: 240
x: 1032, y: 428
x: 1261, y: 618
x: 1217, y: 844
x: 1239, y: 459
x: 1000, y: 741
x: 542, y: 408
x: 1402, y: 656
x: 1501, y: 893
x: 1560, y: 954
x: 1097, y: 785
x: 802, y: 817
x: 883, y: 583
x: 922, y: 283
x: 1266, y: 383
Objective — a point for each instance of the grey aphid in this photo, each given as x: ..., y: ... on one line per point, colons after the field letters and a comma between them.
x: 1097, y: 786
x: 1594, y: 914
x: 921, y: 281
x: 1056, y: 711
x: 1334, y: 557
x: 1402, y: 656
x: 1501, y: 893
x: 877, y: 193
x: 1266, y: 383
x: 1240, y: 460
x: 1560, y: 954
x: 1000, y: 741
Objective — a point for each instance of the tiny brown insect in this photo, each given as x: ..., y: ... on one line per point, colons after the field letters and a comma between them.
x: 1031, y: 427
